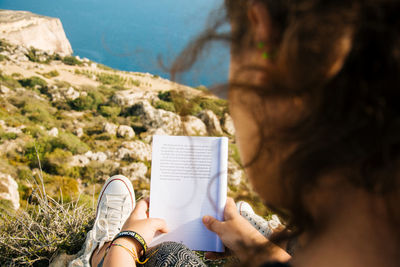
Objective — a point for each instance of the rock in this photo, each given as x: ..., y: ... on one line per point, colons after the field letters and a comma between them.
x: 31, y: 30
x: 10, y: 146
x: 61, y: 260
x: 135, y: 171
x: 71, y: 94
x: 133, y: 96
x: 148, y: 136
x: 15, y: 130
x: 78, y: 132
x: 99, y: 156
x: 123, y: 154
x: 53, y: 132
x: 63, y: 94
x: 235, y: 173
x: 79, y: 160
x: 110, y: 128
x: 134, y: 150
x: 83, y: 256
x: 153, y: 118
x: 212, y: 122
x: 194, y: 126
x: 228, y: 125
x: 4, y: 90
x: 125, y: 131
x: 9, y: 190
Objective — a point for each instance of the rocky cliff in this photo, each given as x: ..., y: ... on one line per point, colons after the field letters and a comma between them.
x: 31, y: 30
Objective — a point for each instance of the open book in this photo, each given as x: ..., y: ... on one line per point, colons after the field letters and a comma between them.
x: 188, y: 181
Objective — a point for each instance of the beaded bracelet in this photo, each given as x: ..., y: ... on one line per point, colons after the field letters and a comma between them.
x: 136, y: 237
x: 133, y: 253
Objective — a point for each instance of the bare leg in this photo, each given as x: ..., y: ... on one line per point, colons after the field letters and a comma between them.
x: 97, y: 257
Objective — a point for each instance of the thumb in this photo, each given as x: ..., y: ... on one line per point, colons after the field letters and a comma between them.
x: 158, y: 225
x: 212, y: 224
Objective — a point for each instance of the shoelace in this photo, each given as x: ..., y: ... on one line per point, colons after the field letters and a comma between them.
x: 111, y: 217
x: 266, y: 227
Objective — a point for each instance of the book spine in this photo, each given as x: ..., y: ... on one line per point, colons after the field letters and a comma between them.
x: 222, y: 185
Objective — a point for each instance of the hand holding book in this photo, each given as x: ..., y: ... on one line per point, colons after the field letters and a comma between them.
x: 189, y: 181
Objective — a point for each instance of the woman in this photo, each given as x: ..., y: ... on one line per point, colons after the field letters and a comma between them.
x: 313, y: 91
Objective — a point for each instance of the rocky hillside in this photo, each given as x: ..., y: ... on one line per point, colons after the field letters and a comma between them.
x: 80, y: 122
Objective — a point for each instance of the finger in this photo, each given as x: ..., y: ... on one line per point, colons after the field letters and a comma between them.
x: 158, y: 225
x: 212, y: 224
x: 141, y: 208
x: 230, y: 209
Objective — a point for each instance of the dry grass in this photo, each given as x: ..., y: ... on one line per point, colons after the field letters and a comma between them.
x: 35, y: 235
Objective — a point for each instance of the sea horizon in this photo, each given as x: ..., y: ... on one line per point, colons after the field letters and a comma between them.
x: 131, y: 35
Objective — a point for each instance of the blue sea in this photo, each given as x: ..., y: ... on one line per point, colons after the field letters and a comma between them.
x: 132, y: 34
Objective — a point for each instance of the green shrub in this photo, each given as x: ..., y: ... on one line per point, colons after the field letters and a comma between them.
x: 16, y: 75
x: 169, y: 106
x: 33, y: 82
x: 51, y: 74
x: 33, y: 150
x: 3, y: 57
x: 8, y: 81
x: 165, y: 96
x: 103, y: 136
x: 69, y: 142
x: 95, y: 171
x: 37, y: 112
x: 24, y: 173
x: 184, y: 105
x: 134, y: 82
x: 234, y: 153
x: 4, y: 44
x: 110, y: 79
x: 104, y: 67
x: 55, y: 185
x: 96, y: 128
x: 55, y: 162
x: 194, y: 109
x: 217, y: 105
x: 89, y: 102
x: 62, y: 84
x: 119, y: 87
x: 7, y: 136
x: 55, y: 56
x: 71, y: 60
x: 108, y: 111
x: 202, y: 88
x: 34, y: 131
x: 33, y: 55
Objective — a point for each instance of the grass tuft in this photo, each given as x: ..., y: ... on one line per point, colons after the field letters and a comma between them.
x: 35, y: 235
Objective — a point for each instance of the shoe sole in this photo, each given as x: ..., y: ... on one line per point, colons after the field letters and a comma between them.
x: 127, y: 183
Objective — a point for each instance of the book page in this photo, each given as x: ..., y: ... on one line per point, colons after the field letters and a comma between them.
x: 188, y: 181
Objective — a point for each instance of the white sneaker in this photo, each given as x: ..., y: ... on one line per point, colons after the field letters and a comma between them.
x: 266, y: 228
x: 114, y: 205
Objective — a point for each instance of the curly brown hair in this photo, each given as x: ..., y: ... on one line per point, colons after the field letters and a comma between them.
x: 353, y: 123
